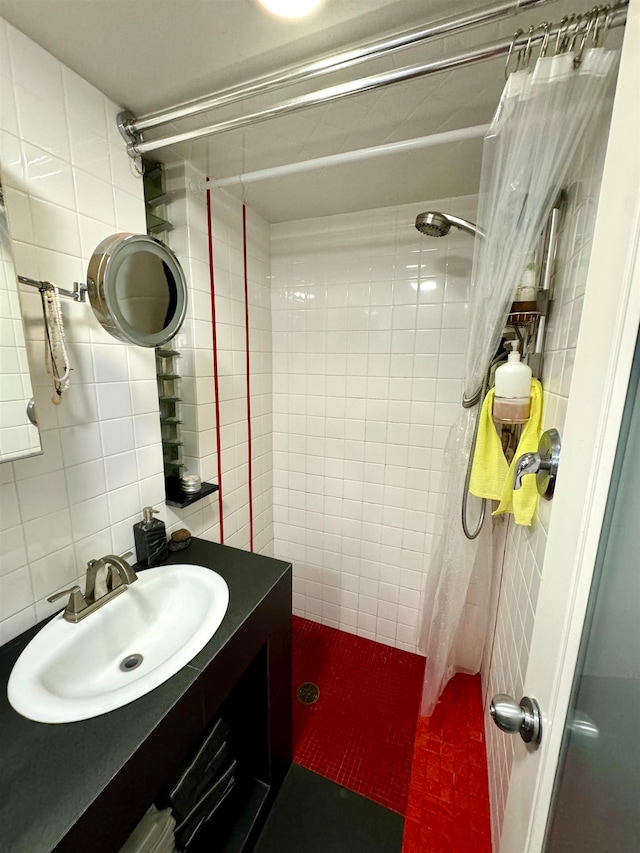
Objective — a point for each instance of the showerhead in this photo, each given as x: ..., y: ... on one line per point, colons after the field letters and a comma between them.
x: 433, y: 223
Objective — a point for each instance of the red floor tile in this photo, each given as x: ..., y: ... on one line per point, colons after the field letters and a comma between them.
x: 362, y: 734
x: 361, y: 731
x: 448, y: 809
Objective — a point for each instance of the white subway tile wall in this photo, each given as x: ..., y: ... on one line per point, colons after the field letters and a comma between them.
x: 506, y: 660
x: 188, y: 214
x: 18, y: 437
x: 369, y: 323
x: 70, y: 184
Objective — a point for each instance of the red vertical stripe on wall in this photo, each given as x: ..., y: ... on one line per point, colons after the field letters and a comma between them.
x: 248, y: 358
x: 214, y: 337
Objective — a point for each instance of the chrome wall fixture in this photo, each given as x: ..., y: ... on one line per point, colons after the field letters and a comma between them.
x: 136, y: 287
x: 132, y: 128
x: 544, y: 464
x: 523, y: 717
x: 78, y: 294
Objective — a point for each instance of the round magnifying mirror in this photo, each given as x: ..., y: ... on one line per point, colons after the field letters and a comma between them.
x: 137, y: 289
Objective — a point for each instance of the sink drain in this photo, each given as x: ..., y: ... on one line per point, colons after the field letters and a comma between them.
x: 308, y: 693
x: 131, y: 662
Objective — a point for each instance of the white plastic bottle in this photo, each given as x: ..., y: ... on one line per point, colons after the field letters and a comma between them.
x: 512, y: 400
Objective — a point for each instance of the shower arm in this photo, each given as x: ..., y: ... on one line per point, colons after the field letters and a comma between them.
x: 464, y: 225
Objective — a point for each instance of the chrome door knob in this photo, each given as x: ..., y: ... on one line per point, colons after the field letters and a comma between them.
x: 513, y: 717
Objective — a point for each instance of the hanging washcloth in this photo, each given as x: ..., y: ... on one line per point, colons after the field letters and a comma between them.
x: 489, y: 470
x: 522, y: 502
x: 491, y: 476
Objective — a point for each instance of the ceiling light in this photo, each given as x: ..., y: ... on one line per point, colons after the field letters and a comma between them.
x: 291, y: 8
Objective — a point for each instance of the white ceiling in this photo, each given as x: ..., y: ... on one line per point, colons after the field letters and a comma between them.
x: 150, y: 54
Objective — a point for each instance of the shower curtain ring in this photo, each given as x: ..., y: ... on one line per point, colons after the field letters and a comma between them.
x: 572, y: 31
x: 577, y: 29
x: 527, y: 50
x: 590, y: 20
x: 545, y: 26
x: 561, y: 38
x: 603, y: 22
x: 515, y: 38
x: 609, y: 22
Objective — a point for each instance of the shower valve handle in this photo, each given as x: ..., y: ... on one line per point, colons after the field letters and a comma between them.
x: 544, y: 464
x: 528, y: 463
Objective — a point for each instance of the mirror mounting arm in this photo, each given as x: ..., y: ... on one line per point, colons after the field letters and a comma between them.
x: 78, y: 294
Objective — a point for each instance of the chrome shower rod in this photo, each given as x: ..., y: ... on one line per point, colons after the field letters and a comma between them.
x: 131, y: 127
x: 617, y: 17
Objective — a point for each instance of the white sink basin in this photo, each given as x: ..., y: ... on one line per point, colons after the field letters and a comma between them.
x: 71, y: 672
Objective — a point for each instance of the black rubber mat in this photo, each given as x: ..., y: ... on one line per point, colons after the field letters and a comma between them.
x: 314, y: 815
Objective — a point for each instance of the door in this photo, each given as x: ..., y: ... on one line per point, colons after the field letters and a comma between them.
x: 604, y: 355
x: 595, y: 799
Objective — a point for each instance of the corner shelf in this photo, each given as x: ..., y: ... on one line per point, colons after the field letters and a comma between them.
x: 523, y: 313
x: 176, y: 497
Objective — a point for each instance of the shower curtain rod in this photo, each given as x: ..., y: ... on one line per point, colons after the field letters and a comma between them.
x: 445, y: 138
x: 617, y: 17
x: 131, y: 127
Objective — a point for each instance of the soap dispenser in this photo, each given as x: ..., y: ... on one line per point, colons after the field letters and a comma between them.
x: 150, y: 536
x: 512, y: 400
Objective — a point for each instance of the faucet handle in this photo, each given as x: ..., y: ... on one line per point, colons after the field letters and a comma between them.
x: 528, y: 463
x: 76, y: 603
x: 544, y: 464
x: 71, y: 591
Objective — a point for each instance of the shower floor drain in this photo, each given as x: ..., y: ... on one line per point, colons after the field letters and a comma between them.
x: 131, y: 662
x: 308, y: 693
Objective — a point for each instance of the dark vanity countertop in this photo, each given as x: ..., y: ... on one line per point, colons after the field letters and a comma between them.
x: 50, y: 774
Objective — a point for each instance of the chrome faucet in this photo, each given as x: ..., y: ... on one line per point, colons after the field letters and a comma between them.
x: 114, y: 575
x: 104, y: 569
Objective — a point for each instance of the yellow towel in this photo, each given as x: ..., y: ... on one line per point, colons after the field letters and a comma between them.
x: 490, y: 468
x: 491, y: 477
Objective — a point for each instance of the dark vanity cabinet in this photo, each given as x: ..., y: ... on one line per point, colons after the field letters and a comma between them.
x: 84, y: 786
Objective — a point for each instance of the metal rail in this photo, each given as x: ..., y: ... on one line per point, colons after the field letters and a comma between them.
x: 131, y: 127
x: 78, y: 294
x: 447, y: 137
x: 502, y: 47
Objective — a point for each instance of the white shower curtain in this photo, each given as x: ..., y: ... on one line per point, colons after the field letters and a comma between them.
x: 541, y: 118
